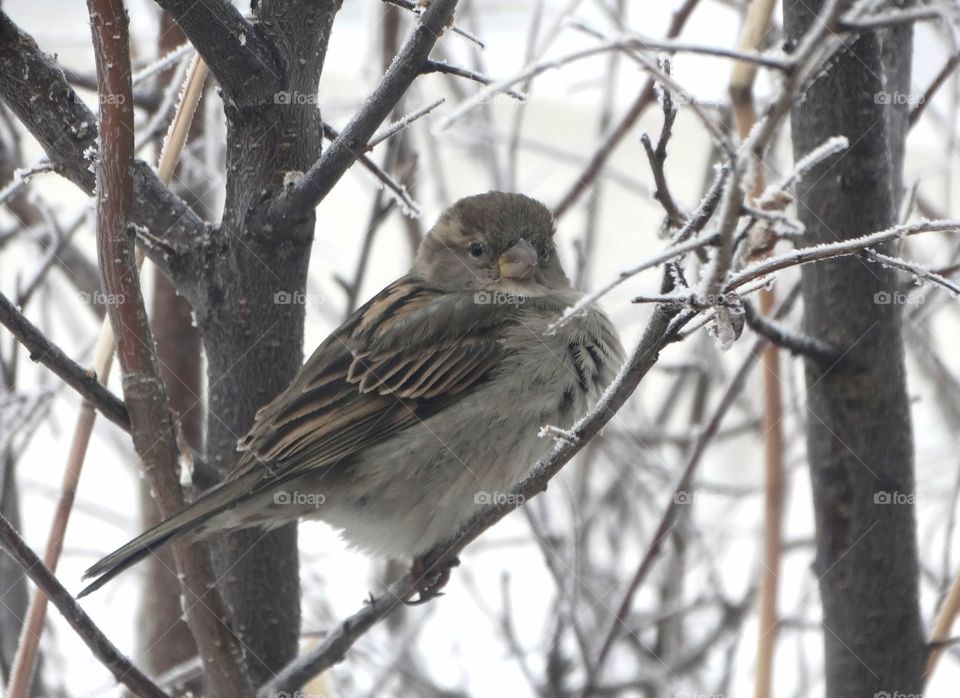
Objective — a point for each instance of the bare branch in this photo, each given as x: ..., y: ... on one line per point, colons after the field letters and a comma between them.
x: 397, y: 190
x: 349, y: 145
x: 444, y: 67
x: 417, y: 9
x: 67, y: 130
x: 403, y: 123
x: 839, y: 249
x: 153, y: 430
x: 239, y: 54
x: 43, y: 351
x: 104, y: 650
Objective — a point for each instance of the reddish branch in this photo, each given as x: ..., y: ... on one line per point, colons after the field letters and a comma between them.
x: 152, y: 425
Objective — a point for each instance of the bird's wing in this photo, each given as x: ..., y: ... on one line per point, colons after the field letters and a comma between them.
x: 408, y: 353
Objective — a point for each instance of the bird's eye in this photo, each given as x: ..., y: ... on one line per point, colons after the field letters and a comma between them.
x: 476, y: 248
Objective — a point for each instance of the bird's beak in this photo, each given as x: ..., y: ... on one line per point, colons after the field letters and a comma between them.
x: 519, y: 262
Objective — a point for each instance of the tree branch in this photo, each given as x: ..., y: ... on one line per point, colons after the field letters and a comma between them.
x: 153, y: 431
x: 349, y: 146
x: 240, y: 56
x: 48, y: 106
x: 104, y: 650
x: 45, y: 352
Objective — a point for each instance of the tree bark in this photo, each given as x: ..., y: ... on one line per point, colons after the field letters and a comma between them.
x: 252, y: 342
x: 859, y: 434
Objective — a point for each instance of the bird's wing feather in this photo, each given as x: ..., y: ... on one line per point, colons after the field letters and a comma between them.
x: 393, y: 363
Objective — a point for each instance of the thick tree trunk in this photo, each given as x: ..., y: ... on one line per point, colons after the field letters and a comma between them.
x: 859, y: 434
x: 253, y: 343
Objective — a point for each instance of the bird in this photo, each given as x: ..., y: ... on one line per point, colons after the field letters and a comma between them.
x: 425, y: 405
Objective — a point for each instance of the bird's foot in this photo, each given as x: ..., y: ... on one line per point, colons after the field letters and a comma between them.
x: 429, y: 578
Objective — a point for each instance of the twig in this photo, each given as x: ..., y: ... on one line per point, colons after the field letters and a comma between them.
x: 403, y: 123
x: 644, y: 99
x: 655, y: 337
x: 755, y: 58
x: 153, y: 429
x: 432, y: 66
x: 657, y: 157
x: 839, y: 249
x: 794, y: 343
x: 417, y: 10
x: 45, y: 352
x: 935, y: 85
x: 915, y: 269
x: 397, y: 190
x: 348, y: 146
x: 683, y: 486
x: 665, y: 256
x: 104, y: 650
x: 22, y: 177
x: 162, y: 63
x: 883, y: 20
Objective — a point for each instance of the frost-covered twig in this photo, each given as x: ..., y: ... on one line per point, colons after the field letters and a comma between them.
x: 162, y: 63
x: 403, y: 123
x: 665, y: 256
x: 22, y: 176
x: 920, y: 272
x: 817, y: 253
x: 890, y: 18
x: 643, y: 43
x: 657, y: 157
x: 828, y: 148
x: 396, y: 190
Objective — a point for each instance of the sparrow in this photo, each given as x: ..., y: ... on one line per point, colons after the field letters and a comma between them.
x: 425, y: 405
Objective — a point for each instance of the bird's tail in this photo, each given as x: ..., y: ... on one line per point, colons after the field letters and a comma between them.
x: 187, y: 521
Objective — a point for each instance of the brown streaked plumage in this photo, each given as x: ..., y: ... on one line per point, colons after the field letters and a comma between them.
x: 429, y: 395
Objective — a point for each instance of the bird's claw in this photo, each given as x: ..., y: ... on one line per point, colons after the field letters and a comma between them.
x: 428, y: 581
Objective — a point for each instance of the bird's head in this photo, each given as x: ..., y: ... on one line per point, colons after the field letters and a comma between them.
x: 493, y: 242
